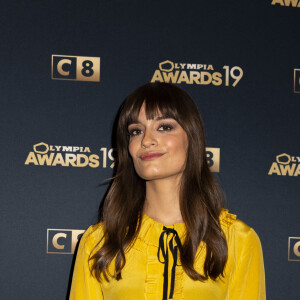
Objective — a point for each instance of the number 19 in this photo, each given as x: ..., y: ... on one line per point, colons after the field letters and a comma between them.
x: 232, y: 75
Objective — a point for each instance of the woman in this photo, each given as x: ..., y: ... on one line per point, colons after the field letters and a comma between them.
x: 163, y: 233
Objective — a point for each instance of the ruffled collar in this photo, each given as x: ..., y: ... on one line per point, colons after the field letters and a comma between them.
x: 151, y: 230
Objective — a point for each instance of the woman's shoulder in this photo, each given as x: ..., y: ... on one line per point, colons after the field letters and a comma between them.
x: 236, y: 229
x: 93, y: 236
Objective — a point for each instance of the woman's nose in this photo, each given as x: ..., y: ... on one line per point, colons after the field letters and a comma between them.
x: 148, y: 139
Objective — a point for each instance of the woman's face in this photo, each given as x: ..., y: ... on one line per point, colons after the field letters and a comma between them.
x: 158, y: 147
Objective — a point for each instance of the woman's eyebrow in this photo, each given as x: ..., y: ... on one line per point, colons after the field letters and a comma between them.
x: 155, y: 119
x: 162, y: 118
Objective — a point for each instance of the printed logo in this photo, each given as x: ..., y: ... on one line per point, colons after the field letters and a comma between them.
x: 294, y: 249
x: 213, y: 159
x: 78, y: 68
x: 62, y: 241
x: 293, y: 3
x: 201, y: 74
x: 285, y: 164
x: 296, y: 80
x: 69, y: 156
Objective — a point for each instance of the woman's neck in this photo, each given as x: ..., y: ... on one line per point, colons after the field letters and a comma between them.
x: 162, y: 201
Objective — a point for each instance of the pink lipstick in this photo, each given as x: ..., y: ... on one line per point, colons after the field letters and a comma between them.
x: 150, y: 156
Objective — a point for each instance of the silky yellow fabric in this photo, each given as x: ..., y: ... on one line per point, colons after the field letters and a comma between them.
x: 142, y: 276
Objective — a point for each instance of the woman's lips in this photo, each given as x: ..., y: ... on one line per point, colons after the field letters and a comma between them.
x: 150, y: 156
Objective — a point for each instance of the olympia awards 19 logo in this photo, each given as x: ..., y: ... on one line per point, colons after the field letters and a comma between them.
x: 201, y: 74
x: 80, y: 68
x: 292, y: 3
x: 69, y: 156
x: 82, y: 156
x: 285, y: 165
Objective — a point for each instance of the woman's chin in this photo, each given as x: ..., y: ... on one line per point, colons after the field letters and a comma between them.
x: 151, y: 176
x: 158, y: 176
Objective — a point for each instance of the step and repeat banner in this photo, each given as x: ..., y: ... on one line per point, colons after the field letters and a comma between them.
x: 66, y: 66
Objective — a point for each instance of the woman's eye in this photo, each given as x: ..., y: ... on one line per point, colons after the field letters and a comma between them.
x: 134, y: 132
x: 165, y: 127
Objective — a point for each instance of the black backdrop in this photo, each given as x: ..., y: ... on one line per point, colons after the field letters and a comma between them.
x: 251, y: 123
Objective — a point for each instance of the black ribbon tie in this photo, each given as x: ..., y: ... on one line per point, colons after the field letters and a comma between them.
x: 163, y: 251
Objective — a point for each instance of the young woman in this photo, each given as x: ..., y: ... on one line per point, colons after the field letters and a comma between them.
x: 164, y: 233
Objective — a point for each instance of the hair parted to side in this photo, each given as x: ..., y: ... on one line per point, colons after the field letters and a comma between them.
x: 201, y: 198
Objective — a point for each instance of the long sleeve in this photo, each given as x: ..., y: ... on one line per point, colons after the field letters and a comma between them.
x: 248, y: 279
x: 84, y: 285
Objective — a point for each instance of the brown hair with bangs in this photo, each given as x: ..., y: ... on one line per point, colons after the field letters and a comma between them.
x: 201, y: 198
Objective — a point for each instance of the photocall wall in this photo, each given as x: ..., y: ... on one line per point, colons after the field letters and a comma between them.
x: 66, y: 66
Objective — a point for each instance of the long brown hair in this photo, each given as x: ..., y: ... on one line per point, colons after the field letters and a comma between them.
x: 201, y: 198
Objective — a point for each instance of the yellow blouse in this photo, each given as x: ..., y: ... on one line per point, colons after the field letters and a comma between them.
x: 142, y: 276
